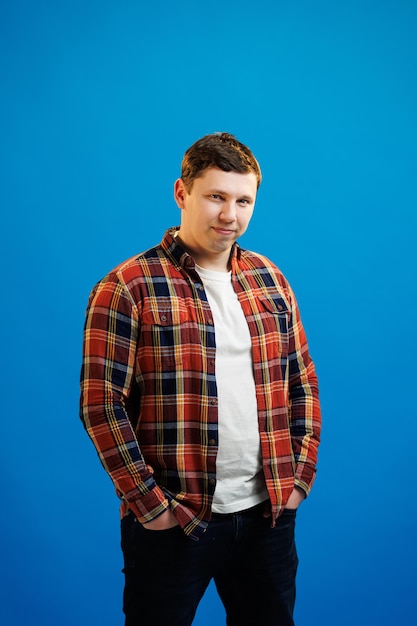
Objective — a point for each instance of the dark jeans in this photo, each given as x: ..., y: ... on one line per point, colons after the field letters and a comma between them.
x: 252, y: 564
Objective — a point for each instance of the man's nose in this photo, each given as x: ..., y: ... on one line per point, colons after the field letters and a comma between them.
x: 228, y: 212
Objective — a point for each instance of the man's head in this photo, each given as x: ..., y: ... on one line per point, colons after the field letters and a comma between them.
x: 218, y: 150
x: 216, y: 194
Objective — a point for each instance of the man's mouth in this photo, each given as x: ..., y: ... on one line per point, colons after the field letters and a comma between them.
x: 224, y: 231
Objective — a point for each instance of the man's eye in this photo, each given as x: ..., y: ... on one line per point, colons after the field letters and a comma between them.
x: 244, y: 201
x: 216, y: 196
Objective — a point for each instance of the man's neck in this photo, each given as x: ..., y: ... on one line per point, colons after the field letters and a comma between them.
x: 215, y: 262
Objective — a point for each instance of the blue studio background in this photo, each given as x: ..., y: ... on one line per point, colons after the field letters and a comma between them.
x: 99, y: 100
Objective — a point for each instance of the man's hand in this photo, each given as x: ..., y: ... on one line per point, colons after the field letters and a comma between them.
x: 162, y: 522
x: 295, y: 499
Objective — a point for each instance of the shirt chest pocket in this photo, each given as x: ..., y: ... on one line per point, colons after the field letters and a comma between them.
x: 164, y: 316
x: 165, y: 331
x: 274, y: 315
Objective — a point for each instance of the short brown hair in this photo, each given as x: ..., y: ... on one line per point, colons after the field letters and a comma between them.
x: 220, y: 150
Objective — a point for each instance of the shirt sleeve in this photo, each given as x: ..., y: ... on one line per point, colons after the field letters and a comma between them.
x: 107, y: 375
x: 304, y: 405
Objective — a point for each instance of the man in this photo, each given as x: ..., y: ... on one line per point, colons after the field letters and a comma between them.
x: 201, y: 399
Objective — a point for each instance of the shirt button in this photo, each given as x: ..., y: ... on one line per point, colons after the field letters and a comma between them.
x: 212, y: 442
x: 210, y: 321
x: 213, y: 401
x: 280, y: 307
x: 212, y: 481
x: 163, y: 318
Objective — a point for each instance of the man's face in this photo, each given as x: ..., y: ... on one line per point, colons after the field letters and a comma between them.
x: 215, y: 213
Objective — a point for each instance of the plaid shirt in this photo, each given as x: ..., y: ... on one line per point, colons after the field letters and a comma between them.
x: 148, y: 383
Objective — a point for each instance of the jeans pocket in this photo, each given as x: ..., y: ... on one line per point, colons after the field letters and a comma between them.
x: 289, y: 512
x: 165, y: 532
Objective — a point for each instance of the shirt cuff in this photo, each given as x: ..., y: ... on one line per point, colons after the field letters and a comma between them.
x: 149, y: 506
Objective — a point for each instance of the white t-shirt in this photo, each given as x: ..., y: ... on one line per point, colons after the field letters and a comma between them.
x: 240, y: 480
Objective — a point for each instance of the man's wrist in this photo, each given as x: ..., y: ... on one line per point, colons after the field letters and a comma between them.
x: 164, y: 521
x: 296, y: 497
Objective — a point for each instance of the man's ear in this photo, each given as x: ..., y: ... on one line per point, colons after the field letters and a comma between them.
x: 180, y: 192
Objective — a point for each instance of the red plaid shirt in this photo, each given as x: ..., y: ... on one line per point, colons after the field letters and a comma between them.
x: 148, y: 382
